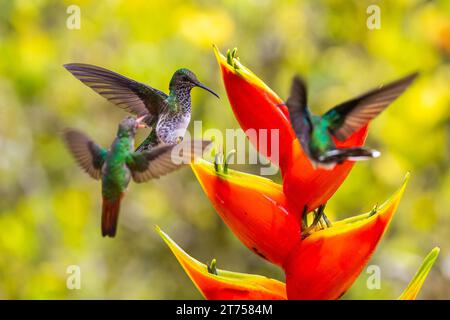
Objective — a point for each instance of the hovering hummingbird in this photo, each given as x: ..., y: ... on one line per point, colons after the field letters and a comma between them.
x: 168, y: 116
x: 119, y: 164
x: 315, y: 132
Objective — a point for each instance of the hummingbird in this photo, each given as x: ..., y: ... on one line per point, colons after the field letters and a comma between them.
x: 119, y: 164
x: 316, y: 133
x: 168, y: 116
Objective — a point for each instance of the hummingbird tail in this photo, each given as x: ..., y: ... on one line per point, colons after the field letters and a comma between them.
x: 353, y: 154
x: 110, y: 216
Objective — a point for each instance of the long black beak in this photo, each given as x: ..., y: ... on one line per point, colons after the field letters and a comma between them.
x: 201, y: 85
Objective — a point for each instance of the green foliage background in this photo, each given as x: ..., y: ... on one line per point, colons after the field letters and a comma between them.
x: 50, y: 210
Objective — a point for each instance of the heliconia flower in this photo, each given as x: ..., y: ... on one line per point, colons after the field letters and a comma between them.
x: 257, y: 107
x: 411, y: 291
x: 217, y: 284
x: 327, y: 262
x: 253, y: 207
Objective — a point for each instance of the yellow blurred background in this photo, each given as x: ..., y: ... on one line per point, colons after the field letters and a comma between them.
x: 50, y: 209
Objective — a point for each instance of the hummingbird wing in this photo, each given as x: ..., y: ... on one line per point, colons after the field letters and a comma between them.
x: 149, y: 142
x: 133, y: 96
x: 348, y: 117
x: 298, y: 112
x: 164, y: 159
x: 89, y: 156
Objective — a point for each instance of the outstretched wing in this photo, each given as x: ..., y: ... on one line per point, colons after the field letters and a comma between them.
x: 298, y: 112
x: 89, y: 156
x: 164, y: 159
x: 348, y: 117
x: 133, y: 96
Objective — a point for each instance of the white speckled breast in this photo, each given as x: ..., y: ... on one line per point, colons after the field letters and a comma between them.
x: 172, y: 126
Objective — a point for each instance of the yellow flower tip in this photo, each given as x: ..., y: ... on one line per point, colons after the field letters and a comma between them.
x: 397, y: 196
x: 435, y: 252
x: 413, y: 288
x: 239, y: 69
x: 407, y: 176
x: 221, y: 59
x: 184, y: 259
x: 188, y: 263
x: 164, y: 236
x: 217, y: 53
x: 394, y: 200
x: 212, y: 282
x: 385, y: 211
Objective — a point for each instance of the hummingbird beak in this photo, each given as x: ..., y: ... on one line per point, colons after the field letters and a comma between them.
x: 201, y: 85
x: 139, y: 120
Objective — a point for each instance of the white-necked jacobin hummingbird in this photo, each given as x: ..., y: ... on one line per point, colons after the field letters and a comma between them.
x: 315, y: 132
x: 168, y: 116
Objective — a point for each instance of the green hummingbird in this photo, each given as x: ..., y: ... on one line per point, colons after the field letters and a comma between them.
x: 120, y: 163
x: 168, y: 116
x: 316, y: 133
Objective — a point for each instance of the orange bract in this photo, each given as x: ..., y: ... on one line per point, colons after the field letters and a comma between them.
x: 322, y: 266
x: 254, y: 208
x: 325, y: 264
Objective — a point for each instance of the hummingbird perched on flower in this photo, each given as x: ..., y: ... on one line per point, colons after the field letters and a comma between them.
x: 168, y: 116
x: 120, y: 163
x: 315, y: 133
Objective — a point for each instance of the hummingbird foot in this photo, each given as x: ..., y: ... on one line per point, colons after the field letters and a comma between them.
x: 326, y: 220
x: 305, y: 217
x: 320, y: 220
x: 309, y: 230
